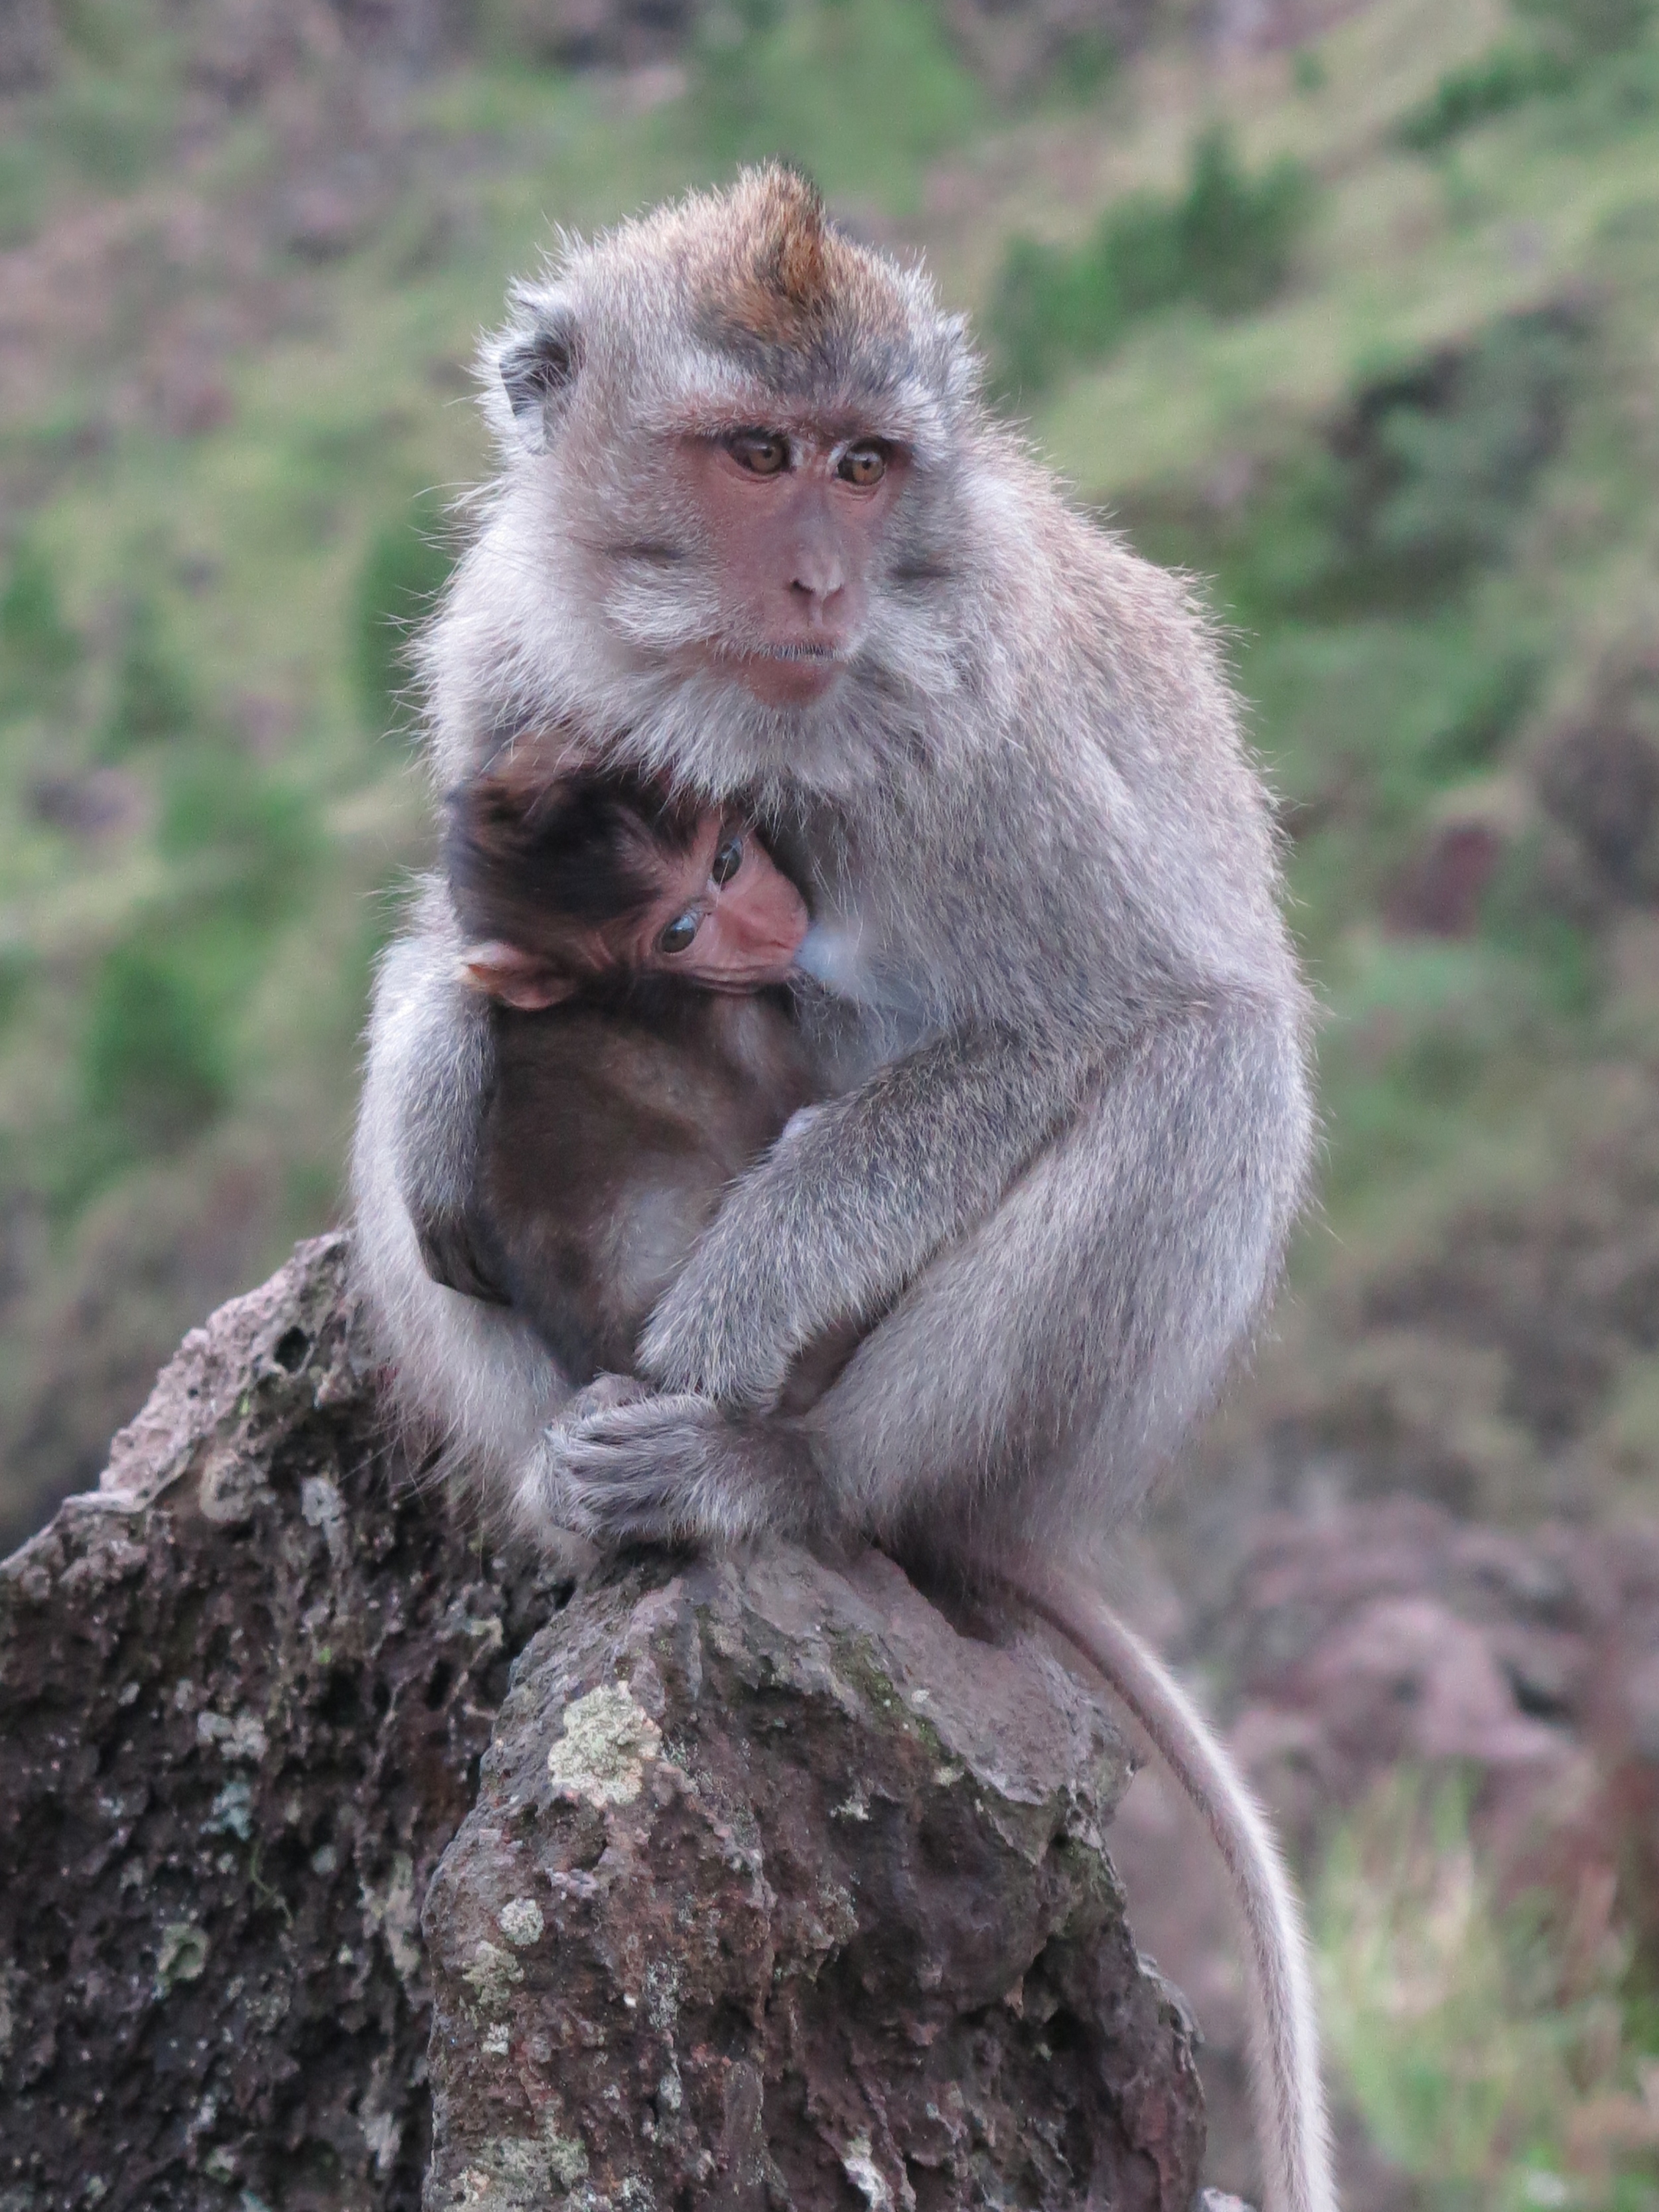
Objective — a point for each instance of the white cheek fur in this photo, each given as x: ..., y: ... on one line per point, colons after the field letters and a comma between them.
x: 830, y: 956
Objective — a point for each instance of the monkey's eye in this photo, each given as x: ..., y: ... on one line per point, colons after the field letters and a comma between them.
x: 677, y: 937
x: 728, y: 859
x: 762, y: 452
x: 865, y: 464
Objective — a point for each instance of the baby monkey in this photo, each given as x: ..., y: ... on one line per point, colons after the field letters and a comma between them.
x: 638, y: 949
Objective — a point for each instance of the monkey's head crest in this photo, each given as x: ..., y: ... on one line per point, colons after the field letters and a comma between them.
x: 719, y: 295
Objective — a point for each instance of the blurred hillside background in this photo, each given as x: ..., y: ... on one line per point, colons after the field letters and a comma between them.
x: 1353, y: 312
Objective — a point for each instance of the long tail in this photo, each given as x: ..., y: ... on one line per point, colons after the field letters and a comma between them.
x: 1288, y: 2095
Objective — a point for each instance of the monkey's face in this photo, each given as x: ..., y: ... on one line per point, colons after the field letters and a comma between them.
x: 735, y: 508
x: 795, y: 522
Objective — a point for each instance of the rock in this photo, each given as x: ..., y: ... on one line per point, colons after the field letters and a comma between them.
x: 1391, y: 1634
x: 244, y: 1690
x: 777, y: 1885
x: 778, y: 1888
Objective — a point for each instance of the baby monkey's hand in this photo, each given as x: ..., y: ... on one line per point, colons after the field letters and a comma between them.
x: 601, y: 1396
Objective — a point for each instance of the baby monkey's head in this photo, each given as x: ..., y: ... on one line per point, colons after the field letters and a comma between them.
x: 598, y: 880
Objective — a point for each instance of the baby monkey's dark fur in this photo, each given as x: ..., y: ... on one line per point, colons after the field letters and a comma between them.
x: 617, y: 1119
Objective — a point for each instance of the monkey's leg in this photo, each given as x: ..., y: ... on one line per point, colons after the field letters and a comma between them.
x: 1034, y: 1378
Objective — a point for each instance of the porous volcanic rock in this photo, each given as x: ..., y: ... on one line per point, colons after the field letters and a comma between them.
x: 244, y: 1691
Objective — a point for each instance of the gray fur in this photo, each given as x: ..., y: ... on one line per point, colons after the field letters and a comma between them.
x: 472, y: 1379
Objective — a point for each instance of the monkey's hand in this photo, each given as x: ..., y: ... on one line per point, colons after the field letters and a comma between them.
x: 621, y: 1469
x: 849, y: 1206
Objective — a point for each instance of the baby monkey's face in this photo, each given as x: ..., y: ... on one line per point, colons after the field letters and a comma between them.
x: 725, y: 917
x: 720, y: 915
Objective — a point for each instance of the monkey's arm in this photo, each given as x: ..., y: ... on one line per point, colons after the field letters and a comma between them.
x: 470, y: 1374
x: 1044, y: 1363
x: 850, y: 1205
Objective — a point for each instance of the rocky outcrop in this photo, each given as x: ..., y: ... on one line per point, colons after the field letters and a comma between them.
x: 780, y: 1891
x: 244, y: 1691
x: 778, y: 1887
x: 1392, y: 1636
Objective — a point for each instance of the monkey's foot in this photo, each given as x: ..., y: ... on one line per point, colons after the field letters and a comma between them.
x: 668, y: 1470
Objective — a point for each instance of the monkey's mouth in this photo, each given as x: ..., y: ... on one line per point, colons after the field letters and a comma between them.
x: 786, y: 672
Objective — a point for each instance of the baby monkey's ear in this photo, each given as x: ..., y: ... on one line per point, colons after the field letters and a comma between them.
x: 514, y: 977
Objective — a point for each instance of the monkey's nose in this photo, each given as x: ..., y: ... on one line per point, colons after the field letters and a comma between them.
x: 815, y: 595
x: 818, y: 575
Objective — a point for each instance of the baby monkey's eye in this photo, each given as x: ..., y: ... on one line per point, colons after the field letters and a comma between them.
x: 864, y: 464
x: 762, y: 452
x: 728, y: 859
x: 677, y: 937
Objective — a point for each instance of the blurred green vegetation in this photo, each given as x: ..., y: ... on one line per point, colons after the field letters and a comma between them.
x: 1226, y: 242
x: 152, y: 692
x: 37, y: 648
x: 862, y: 93
x: 1498, y: 2059
x: 153, y: 1063
x: 1561, y: 41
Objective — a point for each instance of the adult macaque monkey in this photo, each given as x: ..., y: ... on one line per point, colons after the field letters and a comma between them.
x: 754, y: 523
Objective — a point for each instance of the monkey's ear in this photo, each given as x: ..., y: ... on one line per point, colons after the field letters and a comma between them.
x: 514, y: 977
x: 538, y: 367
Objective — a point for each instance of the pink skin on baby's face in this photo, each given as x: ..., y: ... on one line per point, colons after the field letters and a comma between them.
x: 727, y: 918
x: 723, y: 917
